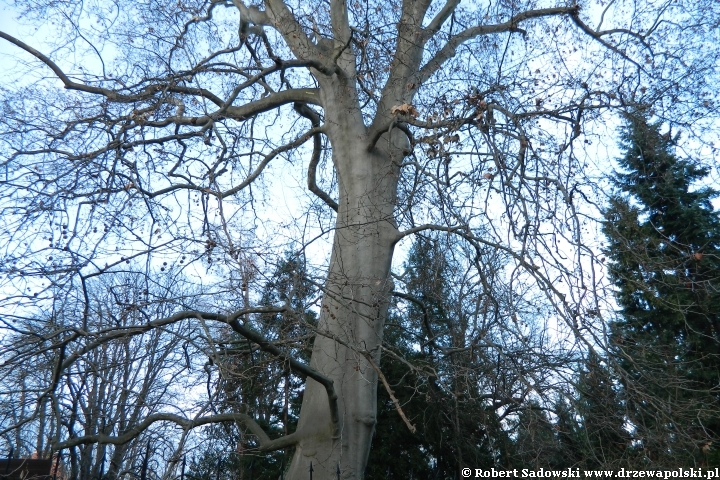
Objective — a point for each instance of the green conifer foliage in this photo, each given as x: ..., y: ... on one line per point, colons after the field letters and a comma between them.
x: 455, y: 425
x: 536, y: 443
x: 664, y: 247
x: 602, y: 440
x: 585, y: 429
x: 251, y: 382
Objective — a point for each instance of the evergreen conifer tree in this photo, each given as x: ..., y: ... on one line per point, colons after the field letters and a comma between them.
x: 602, y: 440
x: 536, y: 442
x: 664, y: 247
x: 454, y: 427
x: 586, y: 429
x: 252, y: 382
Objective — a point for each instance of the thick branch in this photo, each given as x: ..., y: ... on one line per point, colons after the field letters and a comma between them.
x: 421, y: 228
x: 598, y: 36
x: 112, y: 95
x: 449, y: 50
x: 304, y: 95
x: 340, y: 24
x: 242, y: 112
x: 283, y: 20
x: 295, y: 366
x: 232, y: 320
x: 442, y: 16
x: 114, y: 334
x: 314, y: 118
x: 69, y: 84
x: 266, y: 444
x: 409, y: 50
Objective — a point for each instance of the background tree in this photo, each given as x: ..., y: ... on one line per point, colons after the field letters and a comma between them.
x: 664, y: 243
x: 585, y: 428
x: 602, y: 440
x: 252, y: 382
x: 179, y: 138
x: 473, y: 348
x: 105, y: 392
x: 447, y: 422
x: 536, y: 444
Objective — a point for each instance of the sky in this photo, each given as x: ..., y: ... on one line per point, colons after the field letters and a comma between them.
x: 284, y: 203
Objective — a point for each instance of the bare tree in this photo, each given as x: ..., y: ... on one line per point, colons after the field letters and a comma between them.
x: 105, y: 392
x: 181, y: 125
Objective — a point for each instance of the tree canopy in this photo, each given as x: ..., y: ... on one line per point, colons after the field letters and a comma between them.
x: 664, y: 243
x: 162, y: 157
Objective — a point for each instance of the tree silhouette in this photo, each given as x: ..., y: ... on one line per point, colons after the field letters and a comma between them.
x: 664, y: 243
x: 206, y: 137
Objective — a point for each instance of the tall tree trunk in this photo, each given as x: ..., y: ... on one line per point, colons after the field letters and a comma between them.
x: 354, y: 309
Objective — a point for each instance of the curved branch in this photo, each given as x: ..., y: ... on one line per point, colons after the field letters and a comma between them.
x: 232, y: 321
x: 428, y: 226
x: 442, y: 16
x: 534, y: 270
x: 251, y: 178
x: 201, y: 92
x: 285, y: 22
x: 110, y: 94
x: 314, y: 118
x: 390, y: 392
x: 305, y: 95
x: 295, y: 143
x: 598, y: 36
x: 423, y: 307
x: 69, y: 84
x: 299, y: 367
x: 242, y: 112
x: 266, y: 444
x: 449, y: 50
x: 377, y: 131
x: 115, y: 334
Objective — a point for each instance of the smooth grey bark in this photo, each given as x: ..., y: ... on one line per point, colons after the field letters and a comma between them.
x: 367, y: 162
x: 354, y: 308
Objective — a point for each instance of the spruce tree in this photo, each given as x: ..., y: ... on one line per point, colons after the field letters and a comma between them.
x: 454, y: 427
x: 251, y: 382
x: 664, y: 247
x: 586, y: 429
x: 602, y: 440
x: 536, y: 444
